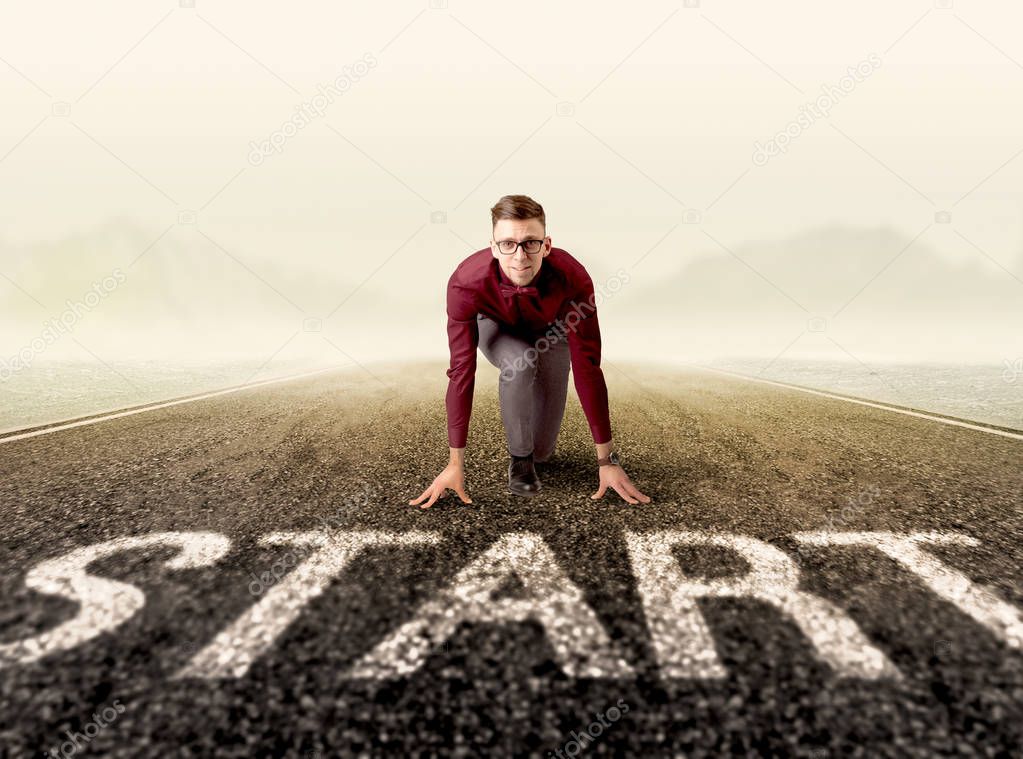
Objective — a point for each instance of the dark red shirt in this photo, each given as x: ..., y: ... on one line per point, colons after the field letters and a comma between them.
x: 564, y: 291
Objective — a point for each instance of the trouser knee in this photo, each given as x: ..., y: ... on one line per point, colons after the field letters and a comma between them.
x: 518, y: 370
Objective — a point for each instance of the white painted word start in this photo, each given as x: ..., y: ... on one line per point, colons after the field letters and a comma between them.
x: 682, y: 642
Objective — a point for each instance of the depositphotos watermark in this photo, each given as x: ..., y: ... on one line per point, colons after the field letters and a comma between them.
x: 852, y: 508
x: 315, y: 108
x: 297, y: 553
x: 845, y: 516
x: 1013, y: 370
x: 75, y: 741
x: 815, y: 109
x: 54, y: 328
x: 571, y: 319
x: 583, y: 737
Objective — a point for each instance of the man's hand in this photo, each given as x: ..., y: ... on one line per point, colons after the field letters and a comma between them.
x: 612, y: 475
x: 452, y: 477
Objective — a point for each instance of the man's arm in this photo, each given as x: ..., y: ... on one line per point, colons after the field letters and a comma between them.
x: 463, y: 340
x: 584, y: 348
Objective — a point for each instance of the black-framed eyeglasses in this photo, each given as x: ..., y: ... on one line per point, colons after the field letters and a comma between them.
x: 509, y: 247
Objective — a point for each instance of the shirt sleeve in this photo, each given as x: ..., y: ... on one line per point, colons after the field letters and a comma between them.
x: 584, y: 347
x: 463, y: 339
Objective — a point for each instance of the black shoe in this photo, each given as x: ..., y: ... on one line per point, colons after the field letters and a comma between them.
x: 522, y: 479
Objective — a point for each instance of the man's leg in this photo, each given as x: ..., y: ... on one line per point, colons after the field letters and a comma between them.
x: 515, y: 385
x: 550, y: 391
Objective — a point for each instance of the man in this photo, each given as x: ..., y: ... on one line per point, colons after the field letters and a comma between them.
x: 530, y: 308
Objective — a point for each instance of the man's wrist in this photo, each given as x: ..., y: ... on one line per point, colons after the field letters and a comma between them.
x: 606, y: 454
x: 457, y: 456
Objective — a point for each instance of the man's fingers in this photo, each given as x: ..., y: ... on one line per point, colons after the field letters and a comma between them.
x: 600, y: 491
x: 433, y: 498
x: 461, y: 494
x: 634, y: 492
x: 624, y: 494
x: 422, y: 495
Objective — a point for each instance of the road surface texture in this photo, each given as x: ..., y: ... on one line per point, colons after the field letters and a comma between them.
x: 242, y: 575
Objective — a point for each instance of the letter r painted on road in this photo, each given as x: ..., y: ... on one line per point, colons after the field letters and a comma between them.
x: 681, y: 639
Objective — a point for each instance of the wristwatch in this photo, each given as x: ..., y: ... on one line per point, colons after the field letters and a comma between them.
x: 611, y: 458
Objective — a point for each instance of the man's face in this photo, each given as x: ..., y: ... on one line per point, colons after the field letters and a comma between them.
x: 520, y: 267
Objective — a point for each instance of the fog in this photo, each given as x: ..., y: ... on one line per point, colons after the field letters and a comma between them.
x: 132, y: 153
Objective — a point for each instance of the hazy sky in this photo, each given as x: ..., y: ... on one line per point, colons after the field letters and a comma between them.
x: 131, y: 133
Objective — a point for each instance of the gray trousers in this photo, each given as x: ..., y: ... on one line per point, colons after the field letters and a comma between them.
x: 532, y: 387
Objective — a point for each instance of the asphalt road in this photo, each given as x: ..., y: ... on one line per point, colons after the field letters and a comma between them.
x: 281, y: 598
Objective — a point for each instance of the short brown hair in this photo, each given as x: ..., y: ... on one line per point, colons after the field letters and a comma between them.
x: 517, y: 207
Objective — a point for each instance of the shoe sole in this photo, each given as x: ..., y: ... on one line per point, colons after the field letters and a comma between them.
x: 524, y: 495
